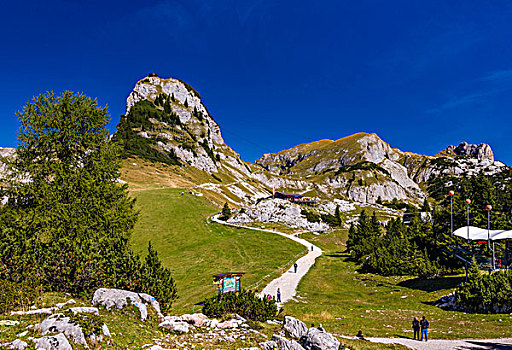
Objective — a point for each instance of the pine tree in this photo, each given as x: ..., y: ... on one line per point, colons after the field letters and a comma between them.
x: 425, y: 207
x: 158, y: 282
x: 226, y: 212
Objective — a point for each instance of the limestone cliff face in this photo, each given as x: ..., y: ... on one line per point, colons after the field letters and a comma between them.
x: 320, y: 155
x: 481, y: 152
x: 196, y: 139
x: 363, y: 167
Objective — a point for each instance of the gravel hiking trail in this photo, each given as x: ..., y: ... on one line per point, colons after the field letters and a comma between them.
x: 288, y: 281
x: 439, y: 344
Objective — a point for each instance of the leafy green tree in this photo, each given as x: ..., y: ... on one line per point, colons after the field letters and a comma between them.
x: 67, y: 221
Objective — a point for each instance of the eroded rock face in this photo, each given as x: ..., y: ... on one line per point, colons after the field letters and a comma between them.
x: 277, y: 210
x: 481, y: 152
x: 286, y: 344
x: 294, y: 327
x: 319, y: 340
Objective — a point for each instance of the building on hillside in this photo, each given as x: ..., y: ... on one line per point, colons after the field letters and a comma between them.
x: 295, y: 198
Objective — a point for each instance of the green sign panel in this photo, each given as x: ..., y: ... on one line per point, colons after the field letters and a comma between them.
x: 229, y: 284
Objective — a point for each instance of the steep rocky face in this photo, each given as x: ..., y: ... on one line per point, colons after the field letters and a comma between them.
x: 321, y: 155
x: 171, y: 117
x: 364, y: 168
x: 481, y: 152
x: 361, y: 167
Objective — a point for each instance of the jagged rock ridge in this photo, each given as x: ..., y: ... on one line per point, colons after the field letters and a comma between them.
x: 362, y: 167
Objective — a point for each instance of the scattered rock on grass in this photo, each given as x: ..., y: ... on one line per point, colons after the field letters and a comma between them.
x: 317, y: 339
x: 295, y: 327
x: 287, y: 344
x: 110, y: 297
x: 54, y: 342
x: 175, y: 326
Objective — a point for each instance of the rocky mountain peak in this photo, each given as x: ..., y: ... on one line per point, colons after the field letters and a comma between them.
x: 481, y: 152
x: 166, y: 115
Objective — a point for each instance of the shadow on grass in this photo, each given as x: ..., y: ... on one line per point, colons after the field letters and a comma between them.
x: 433, y: 284
x: 338, y: 255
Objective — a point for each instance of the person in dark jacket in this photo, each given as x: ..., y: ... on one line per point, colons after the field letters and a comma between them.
x: 416, y: 328
x: 278, y: 295
x: 295, y: 267
x: 424, y: 328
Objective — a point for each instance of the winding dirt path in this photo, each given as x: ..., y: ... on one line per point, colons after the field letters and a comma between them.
x: 289, y: 280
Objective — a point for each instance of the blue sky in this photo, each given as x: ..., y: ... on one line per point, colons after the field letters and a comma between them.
x: 420, y: 74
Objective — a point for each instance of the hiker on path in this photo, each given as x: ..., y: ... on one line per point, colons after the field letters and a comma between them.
x: 295, y: 267
x: 278, y: 295
x: 424, y: 328
x: 311, y: 248
x: 416, y: 328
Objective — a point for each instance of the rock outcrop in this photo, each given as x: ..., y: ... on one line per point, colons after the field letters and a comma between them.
x: 286, y: 344
x: 119, y: 298
x: 294, y: 327
x: 53, y: 342
x: 60, y: 323
x: 480, y: 152
x: 317, y: 339
x: 277, y: 210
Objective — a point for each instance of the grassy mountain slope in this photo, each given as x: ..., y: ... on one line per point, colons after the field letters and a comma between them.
x: 195, y: 249
x: 335, y: 294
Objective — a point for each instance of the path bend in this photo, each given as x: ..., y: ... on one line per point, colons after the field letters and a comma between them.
x: 289, y: 280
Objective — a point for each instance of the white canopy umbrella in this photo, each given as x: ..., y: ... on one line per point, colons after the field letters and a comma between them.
x: 481, y: 234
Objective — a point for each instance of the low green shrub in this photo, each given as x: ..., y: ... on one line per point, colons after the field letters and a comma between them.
x: 245, y: 303
x: 17, y: 295
x: 486, y: 293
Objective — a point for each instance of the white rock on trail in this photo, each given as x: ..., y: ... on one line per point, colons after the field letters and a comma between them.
x: 175, y: 326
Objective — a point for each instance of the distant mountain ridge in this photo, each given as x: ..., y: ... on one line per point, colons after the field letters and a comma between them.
x: 362, y: 167
x: 166, y: 121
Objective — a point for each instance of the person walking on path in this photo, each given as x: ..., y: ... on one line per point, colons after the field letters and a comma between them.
x: 416, y: 328
x: 278, y: 295
x: 295, y: 267
x: 424, y: 328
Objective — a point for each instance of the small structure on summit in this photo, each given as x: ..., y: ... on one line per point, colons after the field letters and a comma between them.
x: 228, y: 282
x: 153, y: 75
x: 295, y: 198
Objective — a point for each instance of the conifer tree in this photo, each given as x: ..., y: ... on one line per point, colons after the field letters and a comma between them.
x: 226, y: 212
x: 67, y: 221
